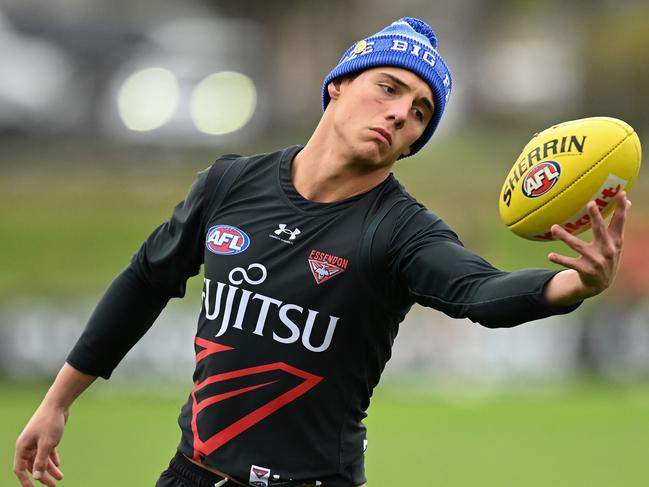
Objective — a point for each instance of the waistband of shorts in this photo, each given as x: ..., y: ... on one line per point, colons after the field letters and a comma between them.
x: 196, y: 475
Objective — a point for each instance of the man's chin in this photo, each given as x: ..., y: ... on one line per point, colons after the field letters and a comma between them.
x: 377, y: 155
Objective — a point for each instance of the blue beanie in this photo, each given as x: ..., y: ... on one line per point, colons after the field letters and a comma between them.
x: 408, y: 43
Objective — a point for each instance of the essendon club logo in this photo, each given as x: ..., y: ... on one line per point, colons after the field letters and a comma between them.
x: 325, y: 266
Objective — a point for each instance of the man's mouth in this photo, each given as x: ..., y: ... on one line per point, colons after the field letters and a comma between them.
x: 384, y: 134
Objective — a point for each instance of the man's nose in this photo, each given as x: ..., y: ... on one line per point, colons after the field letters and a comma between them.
x: 398, y: 112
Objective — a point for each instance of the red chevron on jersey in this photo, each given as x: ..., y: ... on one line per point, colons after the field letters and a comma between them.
x: 325, y: 266
x: 206, y: 446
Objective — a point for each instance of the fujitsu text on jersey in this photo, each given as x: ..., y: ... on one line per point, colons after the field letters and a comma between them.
x: 289, y: 322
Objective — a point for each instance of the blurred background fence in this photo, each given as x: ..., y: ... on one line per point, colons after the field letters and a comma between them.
x: 109, y: 108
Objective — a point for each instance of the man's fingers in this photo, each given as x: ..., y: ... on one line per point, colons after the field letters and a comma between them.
x: 55, y: 457
x: 45, y: 479
x: 22, y: 462
x: 42, y: 459
x: 569, y: 262
x: 616, y: 226
x: 20, y: 469
x: 54, y: 470
x: 597, y: 222
x: 560, y: 233
x: 23, y: 478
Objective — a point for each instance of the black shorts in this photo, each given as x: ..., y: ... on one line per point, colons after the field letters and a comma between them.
x: 183, y: 473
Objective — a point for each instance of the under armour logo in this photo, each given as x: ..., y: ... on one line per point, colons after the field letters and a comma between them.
x: 292, y: 233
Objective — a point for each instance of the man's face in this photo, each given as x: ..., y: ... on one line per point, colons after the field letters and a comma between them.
x: 380, y: 113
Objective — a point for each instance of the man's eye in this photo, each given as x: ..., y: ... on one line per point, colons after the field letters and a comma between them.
x: 418, y: 113
x: 387, y: 89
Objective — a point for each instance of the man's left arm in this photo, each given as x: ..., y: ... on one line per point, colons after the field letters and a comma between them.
x: 430, y: 266
x: 595, y: 268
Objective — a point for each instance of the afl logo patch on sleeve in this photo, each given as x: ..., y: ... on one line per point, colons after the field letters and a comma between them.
x: 226, y: 240
x: 541, y: 179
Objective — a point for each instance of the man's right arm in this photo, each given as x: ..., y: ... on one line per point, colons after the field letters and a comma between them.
x: 36, y: 445
x: 156, y: 273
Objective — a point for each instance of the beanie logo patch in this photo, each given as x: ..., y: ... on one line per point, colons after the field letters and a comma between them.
x: 360, y: 46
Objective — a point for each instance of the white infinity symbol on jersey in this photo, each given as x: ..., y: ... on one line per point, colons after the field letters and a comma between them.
x: 245, y: 276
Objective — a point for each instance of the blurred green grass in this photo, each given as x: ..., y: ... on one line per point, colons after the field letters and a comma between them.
x: 67, y: 229
x: 583, y: 434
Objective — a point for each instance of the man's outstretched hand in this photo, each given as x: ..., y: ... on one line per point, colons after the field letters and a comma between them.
x: 594, y: 269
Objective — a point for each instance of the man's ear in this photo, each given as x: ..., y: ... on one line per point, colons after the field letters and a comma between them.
x: 333, y: 88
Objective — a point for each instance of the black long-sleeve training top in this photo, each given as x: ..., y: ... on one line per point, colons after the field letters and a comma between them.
x: 301, y: 304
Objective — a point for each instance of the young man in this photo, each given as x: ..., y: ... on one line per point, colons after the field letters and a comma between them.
x: 312, y: 257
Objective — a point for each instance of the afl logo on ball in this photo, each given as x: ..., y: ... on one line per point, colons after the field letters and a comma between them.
x: 226, y: 240
x: 541, y: 178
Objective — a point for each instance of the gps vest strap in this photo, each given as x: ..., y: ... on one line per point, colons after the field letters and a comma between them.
x: 220, y: 178
x: 374, y: 247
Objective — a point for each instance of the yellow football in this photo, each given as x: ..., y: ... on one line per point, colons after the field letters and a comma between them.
x: 563, y: 168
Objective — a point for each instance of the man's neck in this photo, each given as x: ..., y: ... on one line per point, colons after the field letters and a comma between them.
x: 324, y: 173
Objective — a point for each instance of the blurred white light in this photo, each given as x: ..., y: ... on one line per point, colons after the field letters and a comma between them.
x: 223, y: 102
x: 530, y: 72
x: 24, y: 95
x: 148, y: 99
